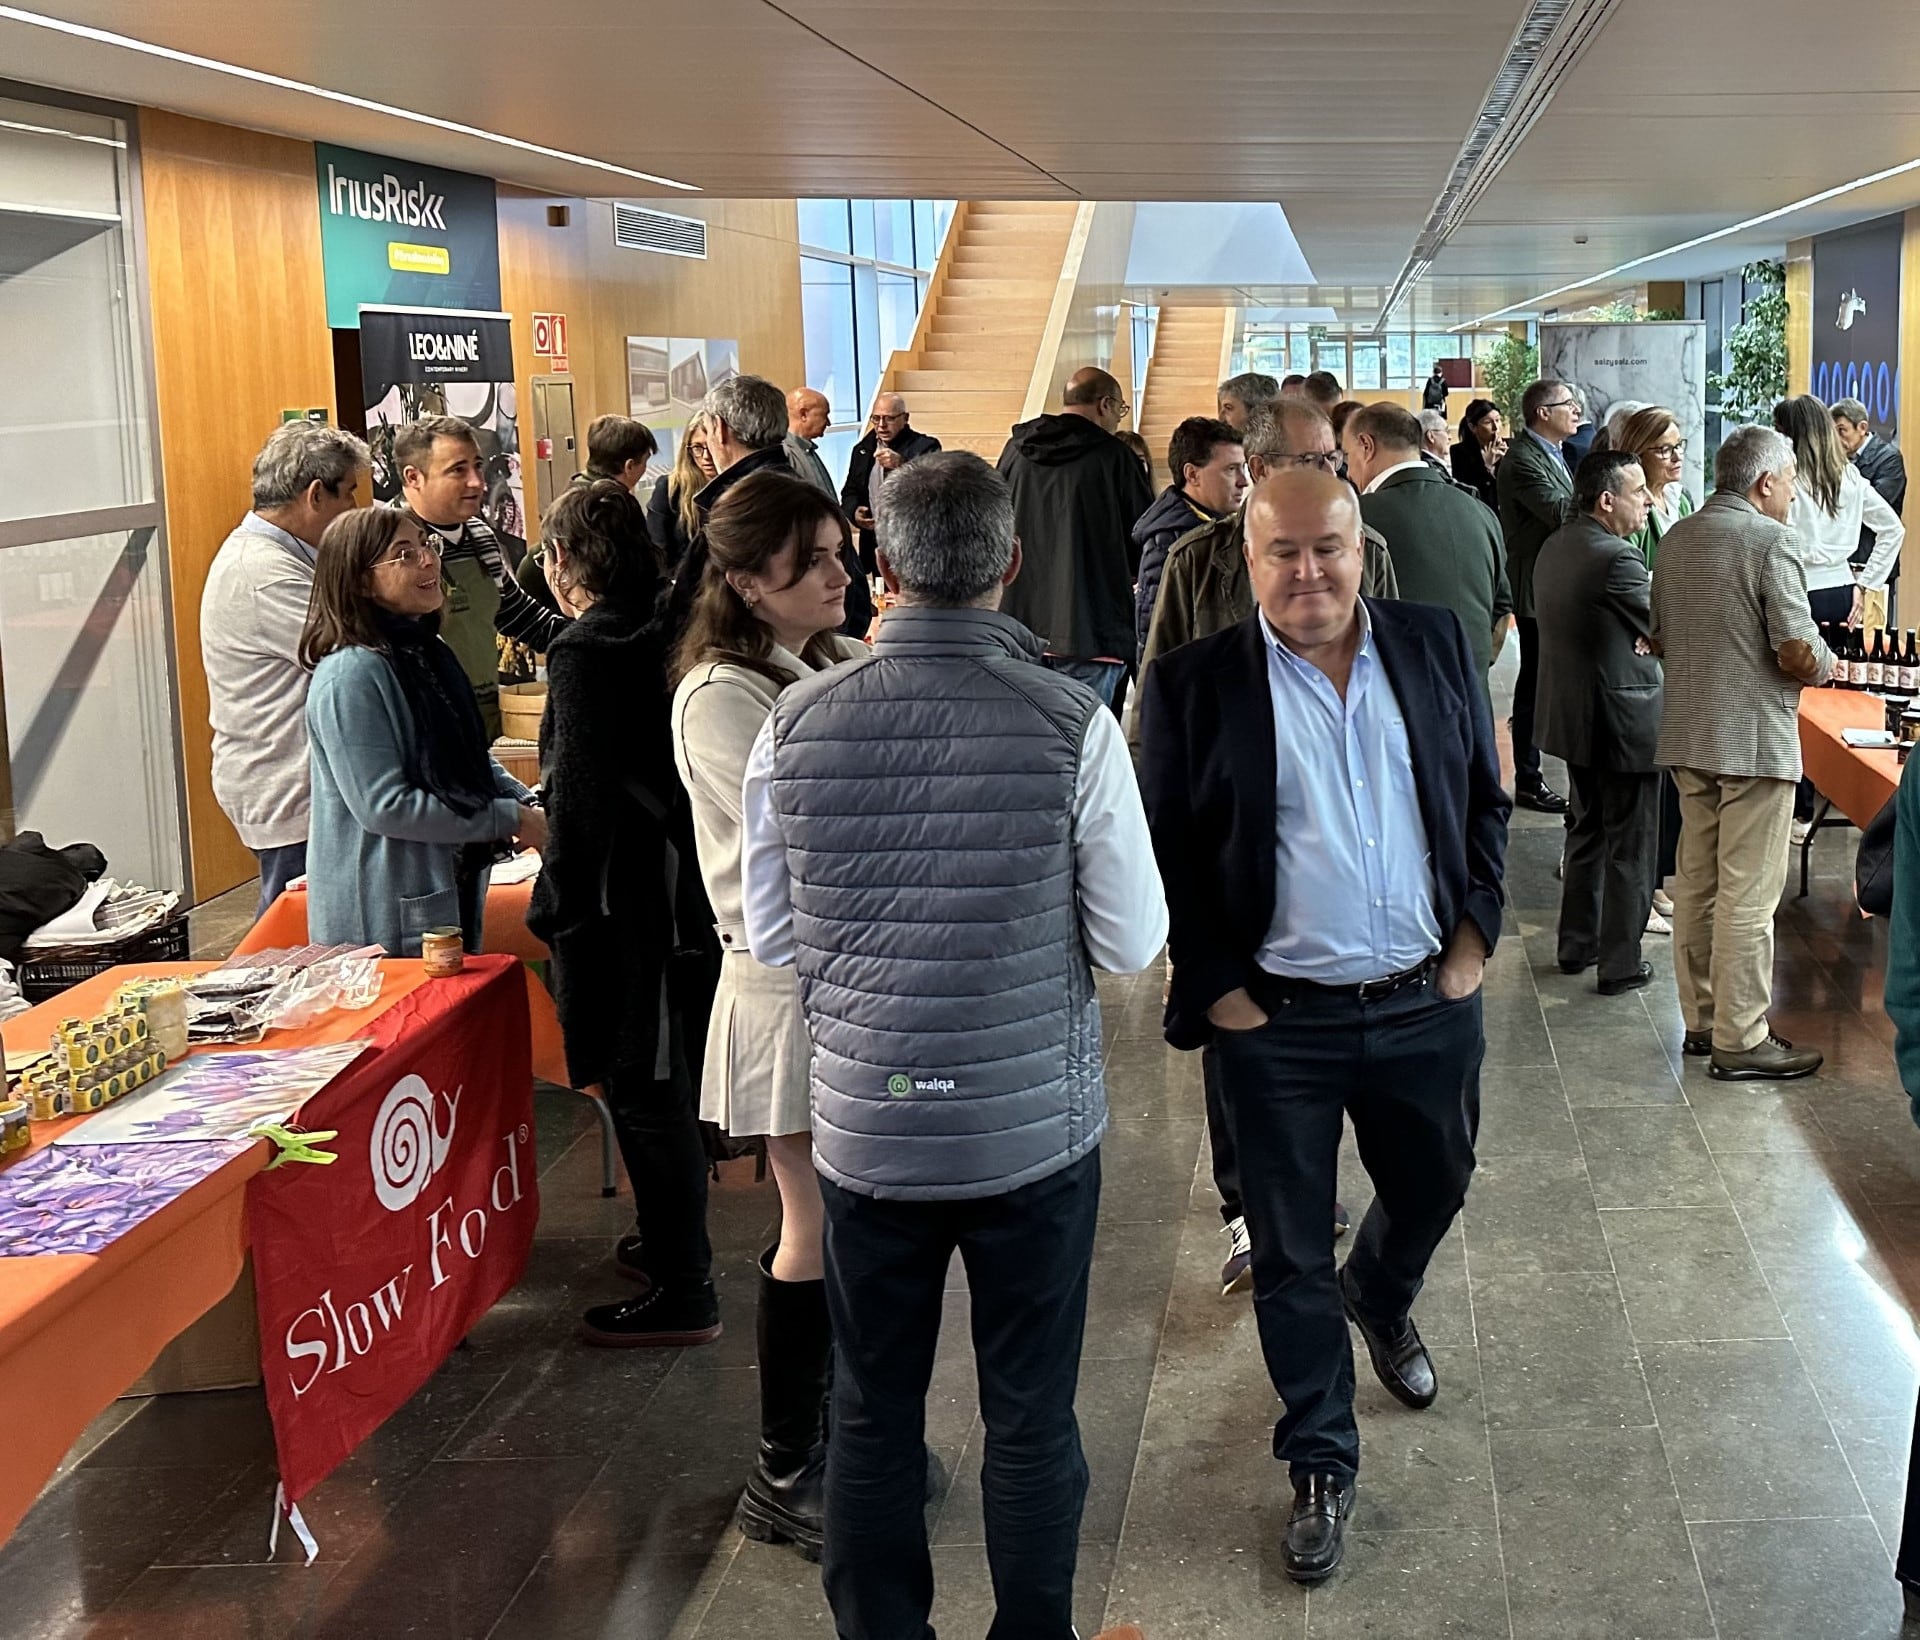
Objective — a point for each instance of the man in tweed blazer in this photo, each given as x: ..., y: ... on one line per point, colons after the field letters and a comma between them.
x: 1730, y: 616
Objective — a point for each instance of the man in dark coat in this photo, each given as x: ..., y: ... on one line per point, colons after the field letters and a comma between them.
x: 1880, y: 464
x: 1535, y: 488
x: 1446, y: 546
x: 888, y: 446
x: 1077, y: 491
x: 1599, y: 708
x: 1209, y: 467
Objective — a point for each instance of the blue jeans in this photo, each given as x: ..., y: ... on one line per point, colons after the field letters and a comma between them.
x: 1406, y: 1068
x: 278, y: 867
x: 1026, y: 1254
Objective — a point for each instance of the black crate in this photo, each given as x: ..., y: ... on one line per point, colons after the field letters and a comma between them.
x: 47, y: 976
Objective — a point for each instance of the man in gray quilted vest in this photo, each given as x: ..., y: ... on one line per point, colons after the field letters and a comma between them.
x: 947, y: 839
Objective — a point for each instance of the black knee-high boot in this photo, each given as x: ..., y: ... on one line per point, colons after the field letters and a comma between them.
x: 784, y: 1499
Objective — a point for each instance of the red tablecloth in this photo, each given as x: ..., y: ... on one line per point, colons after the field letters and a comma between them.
x: 1857, y: 782
x: 77, y: 1329
x: 284, y: 923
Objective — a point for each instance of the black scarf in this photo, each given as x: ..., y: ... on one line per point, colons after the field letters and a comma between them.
x: 449, y: 755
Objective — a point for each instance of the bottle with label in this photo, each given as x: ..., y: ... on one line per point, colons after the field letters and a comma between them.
x: 1910, y: 667
x: 1876, y: 663
x: 1856, y: 661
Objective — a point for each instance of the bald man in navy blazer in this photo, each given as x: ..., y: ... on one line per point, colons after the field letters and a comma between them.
x: 1325, y: 798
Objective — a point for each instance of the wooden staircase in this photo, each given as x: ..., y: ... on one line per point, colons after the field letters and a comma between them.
x: 966, y: 375
x: 1182, y: 374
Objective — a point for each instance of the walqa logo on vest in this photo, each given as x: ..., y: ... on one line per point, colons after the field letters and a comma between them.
x: 387, y: 200
x: 900, y: 1086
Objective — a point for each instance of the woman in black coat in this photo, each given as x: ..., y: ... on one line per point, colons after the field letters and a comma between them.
x: 1479, y: 427
x: 621, y: 906
x: 672, y: 519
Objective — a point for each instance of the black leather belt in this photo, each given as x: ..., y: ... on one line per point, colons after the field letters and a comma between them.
x: 1278, y: 986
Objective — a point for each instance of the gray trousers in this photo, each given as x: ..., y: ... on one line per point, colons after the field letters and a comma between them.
x: 1613, y: 844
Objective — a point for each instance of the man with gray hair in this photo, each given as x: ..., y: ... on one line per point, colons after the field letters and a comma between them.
x: 1436, y: 437
x: 1731, y: 619
x: 946, y: 879
x: 1240, y: 396
x: 252, y: 609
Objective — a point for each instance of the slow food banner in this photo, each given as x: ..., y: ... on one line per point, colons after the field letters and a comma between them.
x: 370, y: 1271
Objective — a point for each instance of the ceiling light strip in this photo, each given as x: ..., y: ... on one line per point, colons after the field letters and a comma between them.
x: 1548, y: 42
x: 146, y: 48
x: 1698, y: 240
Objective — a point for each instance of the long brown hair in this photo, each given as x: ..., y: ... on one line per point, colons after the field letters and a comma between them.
x: 687, y: 481
x: 1817, y: 450
x: 752, y: 524
x: 340, y: 615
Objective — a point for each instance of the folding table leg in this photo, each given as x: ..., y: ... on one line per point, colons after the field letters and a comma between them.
x: 609, y: 1148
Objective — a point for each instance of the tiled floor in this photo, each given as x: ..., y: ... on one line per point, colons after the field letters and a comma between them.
x: 1673, y: 1333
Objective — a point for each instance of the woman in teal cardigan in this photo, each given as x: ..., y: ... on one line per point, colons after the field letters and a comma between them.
x: 408, y: 803
x: 1652, y: 437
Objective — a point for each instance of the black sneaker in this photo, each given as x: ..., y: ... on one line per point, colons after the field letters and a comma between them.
x: 659, y: 1318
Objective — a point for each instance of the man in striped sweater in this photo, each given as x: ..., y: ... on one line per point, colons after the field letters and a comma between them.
x: 445, y: 480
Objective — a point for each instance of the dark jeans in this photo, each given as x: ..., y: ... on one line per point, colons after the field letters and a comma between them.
x: 658, y: 1128
x: 1526, y: 755
x: 278, y: 867
x: 1406, y: 1068
x: 1107, y: 679
x: 1613, y: 840
x: 1830, y: 606
x: 1026, y: 1256
x: 1226, y: 1167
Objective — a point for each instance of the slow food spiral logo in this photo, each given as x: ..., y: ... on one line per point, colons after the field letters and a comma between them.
x: 408, y: 1145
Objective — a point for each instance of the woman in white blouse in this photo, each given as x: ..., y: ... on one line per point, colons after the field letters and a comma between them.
x: 772, y: 595
x: 1832, y: 503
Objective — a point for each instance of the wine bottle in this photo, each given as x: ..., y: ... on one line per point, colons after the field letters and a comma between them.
x: 1857, y: 648
x: 1910, y: 667
x: 1876, y: 663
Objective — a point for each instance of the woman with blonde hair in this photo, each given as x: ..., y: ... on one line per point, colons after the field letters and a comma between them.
x: 1651, y: 435
x: 672, y: 518
x: 1832, y: 503
x: 771, y: 599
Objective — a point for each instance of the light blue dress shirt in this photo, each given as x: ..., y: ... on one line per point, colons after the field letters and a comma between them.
x: 1353, y: 880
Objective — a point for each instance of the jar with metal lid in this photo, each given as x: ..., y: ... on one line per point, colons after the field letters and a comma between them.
x: 442, y: 952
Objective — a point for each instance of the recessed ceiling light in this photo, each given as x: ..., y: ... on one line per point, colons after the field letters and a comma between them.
x: 100, y: 36
x: 1760, y: 221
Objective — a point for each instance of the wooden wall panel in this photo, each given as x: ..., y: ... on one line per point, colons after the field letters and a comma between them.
x: 239, y: 333
x: 1800, y: 316
x: 748, y: 288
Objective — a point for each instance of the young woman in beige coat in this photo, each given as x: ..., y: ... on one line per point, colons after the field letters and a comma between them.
x: 766, y: 613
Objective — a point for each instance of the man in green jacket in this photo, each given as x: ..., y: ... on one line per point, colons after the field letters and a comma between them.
x: 1536, y: 497
x: 1446, y: 544
x: 1204, y: 587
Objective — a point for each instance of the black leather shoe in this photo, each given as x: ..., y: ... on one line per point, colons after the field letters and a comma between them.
x: 1317, y: 1528
x: 1635, y: 981
x: 1697, y: 1044
x: 1540, y: 797
x: 1567, y: 967
x: 1400, y: 1360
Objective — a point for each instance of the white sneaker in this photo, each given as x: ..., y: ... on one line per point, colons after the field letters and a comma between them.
x: 1657, y: 924
x: 1663, y: 902
x: 1802, y: 830
x: 1236, y: 1275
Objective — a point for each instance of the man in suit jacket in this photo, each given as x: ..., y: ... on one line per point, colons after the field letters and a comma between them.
x: 1599, y: 709
x: 1880, y: 464
x: 1446, y: 546
x: 1730, y: 617
x: 1536, y: 497
x: 1326, y: 807
x: 888, y: 446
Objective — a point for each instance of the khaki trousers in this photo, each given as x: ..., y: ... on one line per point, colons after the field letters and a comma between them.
x: 1734, y: 843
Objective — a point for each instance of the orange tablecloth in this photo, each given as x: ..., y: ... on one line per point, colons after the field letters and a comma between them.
x: 1857, y: 782
x: 76, y: 1329
x: 284, y: 923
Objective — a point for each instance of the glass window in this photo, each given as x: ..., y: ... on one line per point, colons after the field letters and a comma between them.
x: 862, y: 227
x: 1427, y: 349
x: 826, y: 308
x: 893, y: 231
x: 1400, y: 359
x: 899, y: 299
x: 823, y: 225
x: 1366, y: 365
x: 1299, y: 354
x: 73, y: 416
x: 866, y: 343
x: 1331, y: 354
x: 89, y: 699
